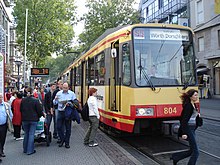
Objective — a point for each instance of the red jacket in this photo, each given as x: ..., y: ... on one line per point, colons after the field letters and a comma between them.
x: 16, y: 106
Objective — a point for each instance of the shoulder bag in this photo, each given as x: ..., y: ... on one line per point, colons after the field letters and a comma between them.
x: 199, y: 121
x: 9, y: 121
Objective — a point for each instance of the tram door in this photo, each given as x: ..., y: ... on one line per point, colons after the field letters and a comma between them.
x: 114, y: 63
x: 83, y: 83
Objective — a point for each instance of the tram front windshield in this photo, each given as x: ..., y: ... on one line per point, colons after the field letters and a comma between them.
x: 163, y: 57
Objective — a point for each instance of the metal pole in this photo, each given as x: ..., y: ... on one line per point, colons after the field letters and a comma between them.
x: 18, y: 77
x: 25, y: 46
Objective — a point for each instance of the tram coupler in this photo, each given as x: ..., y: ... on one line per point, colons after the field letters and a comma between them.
x: 170, y: 127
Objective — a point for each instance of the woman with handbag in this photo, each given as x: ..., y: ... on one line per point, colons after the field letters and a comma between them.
x: 188, y: 127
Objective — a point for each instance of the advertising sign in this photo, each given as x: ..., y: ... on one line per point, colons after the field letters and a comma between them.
x: 2, y: 74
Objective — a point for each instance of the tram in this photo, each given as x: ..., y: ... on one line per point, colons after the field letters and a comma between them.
x: 140, y: 71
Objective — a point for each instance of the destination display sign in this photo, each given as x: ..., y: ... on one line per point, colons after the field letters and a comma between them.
x: 39, y: 71
x: 168, y: 34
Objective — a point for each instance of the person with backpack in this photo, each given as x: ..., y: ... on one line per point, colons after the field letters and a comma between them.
x: 93, y: 118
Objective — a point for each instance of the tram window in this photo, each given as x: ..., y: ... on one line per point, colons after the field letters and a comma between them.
x: 77, y: 76
x: 87, y: 72
x: 100, y: 69
x: 80, y: 74
x: 126, y: 69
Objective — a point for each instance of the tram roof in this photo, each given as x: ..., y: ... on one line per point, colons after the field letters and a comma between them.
x: 106, y: 33
x: 112, y: 30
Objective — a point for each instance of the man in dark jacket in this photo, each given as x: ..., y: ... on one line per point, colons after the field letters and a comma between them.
x: 31, y: 111
x: 55, y: 109
x: 47, y: 105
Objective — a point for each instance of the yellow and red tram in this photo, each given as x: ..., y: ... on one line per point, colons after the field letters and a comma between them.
x: 140, y: 71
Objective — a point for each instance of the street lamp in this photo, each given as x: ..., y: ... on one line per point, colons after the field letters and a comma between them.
x: 18, y: 63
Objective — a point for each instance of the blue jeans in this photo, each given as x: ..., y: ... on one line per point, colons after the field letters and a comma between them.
x: 193, y: 152
x: 55, y: 115
x: 48, y: 121
x: 61, y: 122
x: 29, y: 129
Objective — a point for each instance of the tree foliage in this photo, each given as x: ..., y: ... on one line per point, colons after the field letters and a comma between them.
x: 59, y: 64
x: 49, y: 27
x: 105, y: 14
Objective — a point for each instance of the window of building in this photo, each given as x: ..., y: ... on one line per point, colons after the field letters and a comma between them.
x: 166, y: 2
x: 150, y: 10
x: 201, y: 44
x: 156, y: 6
x: 219, y: 38
x: 199, y: 12
x: 145, y: 1
x: 161, y: 3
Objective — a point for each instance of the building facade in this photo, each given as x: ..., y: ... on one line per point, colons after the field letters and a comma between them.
x: 164, y: 11
x: 205, y: 22
x: 8, y: 46
x: 15, y: 56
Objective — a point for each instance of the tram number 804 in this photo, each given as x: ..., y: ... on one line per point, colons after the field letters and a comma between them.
x: 169, y: 110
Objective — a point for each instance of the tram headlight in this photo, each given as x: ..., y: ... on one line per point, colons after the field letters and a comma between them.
x: 144, y: 112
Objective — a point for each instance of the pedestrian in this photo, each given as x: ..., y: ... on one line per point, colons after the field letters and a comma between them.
x: 93, y: 118
x: 3, y: 123
x: 13, y: 96
x: 55, y: 110
x: 61, y: 99
x: 25, y: 91
x: 16, y: 120
x: 188, y: 127
x: 31, y: 111
x: 47, y: 105
x: 8, y: 94
x: 35, y: 92
x: 41, y: 96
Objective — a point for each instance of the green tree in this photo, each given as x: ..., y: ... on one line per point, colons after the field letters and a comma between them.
x: 105, y: 14
x: 49, y: 27
x: 59, y: 64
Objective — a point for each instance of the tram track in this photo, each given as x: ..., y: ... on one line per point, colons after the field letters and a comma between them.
x: 201, y: 150
x: 159, y: 153
x: 162, y: 157
x: 208, y: 132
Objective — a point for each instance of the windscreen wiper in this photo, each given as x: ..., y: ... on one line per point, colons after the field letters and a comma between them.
x: 146, y: 78
x: 186, y: 84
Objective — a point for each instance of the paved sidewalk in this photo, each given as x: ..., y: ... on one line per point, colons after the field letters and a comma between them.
x: 107, y: 153
x: 210, y: 108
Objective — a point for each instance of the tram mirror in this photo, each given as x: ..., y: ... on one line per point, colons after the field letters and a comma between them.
x: 113, y: 52
x: 125, y: 47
